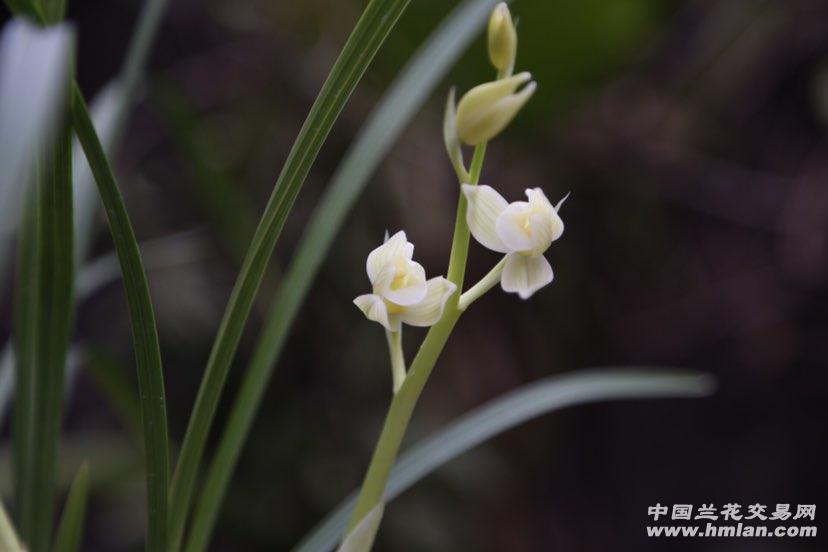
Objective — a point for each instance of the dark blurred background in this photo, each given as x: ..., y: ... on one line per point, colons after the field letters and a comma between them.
x: 692, y: 136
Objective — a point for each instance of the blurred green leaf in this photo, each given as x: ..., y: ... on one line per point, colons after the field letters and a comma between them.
x: 368, y: 35
x: 159, y: 254
x: 43, y: 318
x: 405, y: 96
x: 109, y: 110
x: 515, y: 407
x: 52, y: 10
x: 118, y: 463
x: 70, y: 529
x: 144, y: 330
x: 25, y: 7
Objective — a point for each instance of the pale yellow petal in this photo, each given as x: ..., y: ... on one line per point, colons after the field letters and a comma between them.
x: 395, y: 249
x: 429, y: 311
x: 513, y: 226
x: 484, y: 206
x: 525, y: 275
x: 406, y: 285
x: 373, y: 307
x: 551, y: 220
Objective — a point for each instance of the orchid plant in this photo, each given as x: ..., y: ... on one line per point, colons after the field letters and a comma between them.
x: 522, y: 231
x: 46, y: 197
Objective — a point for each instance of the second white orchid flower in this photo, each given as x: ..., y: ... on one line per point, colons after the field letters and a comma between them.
x: 523, y: 230
x: 401, y: 292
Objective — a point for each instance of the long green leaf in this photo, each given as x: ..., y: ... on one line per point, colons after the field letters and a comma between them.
x: 515, y: 407
x: 405, y: 96
x: 42, y: 328
x: 70, y: 529
x: 145, y: 336
x: 370, y: 32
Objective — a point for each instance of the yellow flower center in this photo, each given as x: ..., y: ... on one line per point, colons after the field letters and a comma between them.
x: 400, y: 280
x: 393, y: 308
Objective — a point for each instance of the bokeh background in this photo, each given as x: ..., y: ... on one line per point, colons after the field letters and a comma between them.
x: 692, y: 136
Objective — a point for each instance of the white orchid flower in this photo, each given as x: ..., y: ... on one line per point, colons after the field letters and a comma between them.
x: 523, y: 230
x: 401, y: 292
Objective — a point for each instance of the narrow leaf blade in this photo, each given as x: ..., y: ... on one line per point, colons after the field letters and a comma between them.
x: 43, y: 319
x: 70, y: 529
x: 144, y: 330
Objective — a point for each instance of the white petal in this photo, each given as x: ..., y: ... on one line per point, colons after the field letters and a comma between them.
x: 396, y: 248
x: 485, y: 205
x: 538, y: 200
x: 552, y: 222
x: 525, y: 275
x: 512, y: 228
x: 404, y: 285
x: 373, y: 307
x: 430, y: 309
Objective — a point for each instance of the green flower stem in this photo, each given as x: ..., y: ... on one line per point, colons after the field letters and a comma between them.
x: 486, y: 283
x: 404, y: 401
x: 460, y: 242
x: 397, y: 358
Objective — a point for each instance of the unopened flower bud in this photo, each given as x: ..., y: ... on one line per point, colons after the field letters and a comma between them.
x: 502, y: 39
x: 486, y: 109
